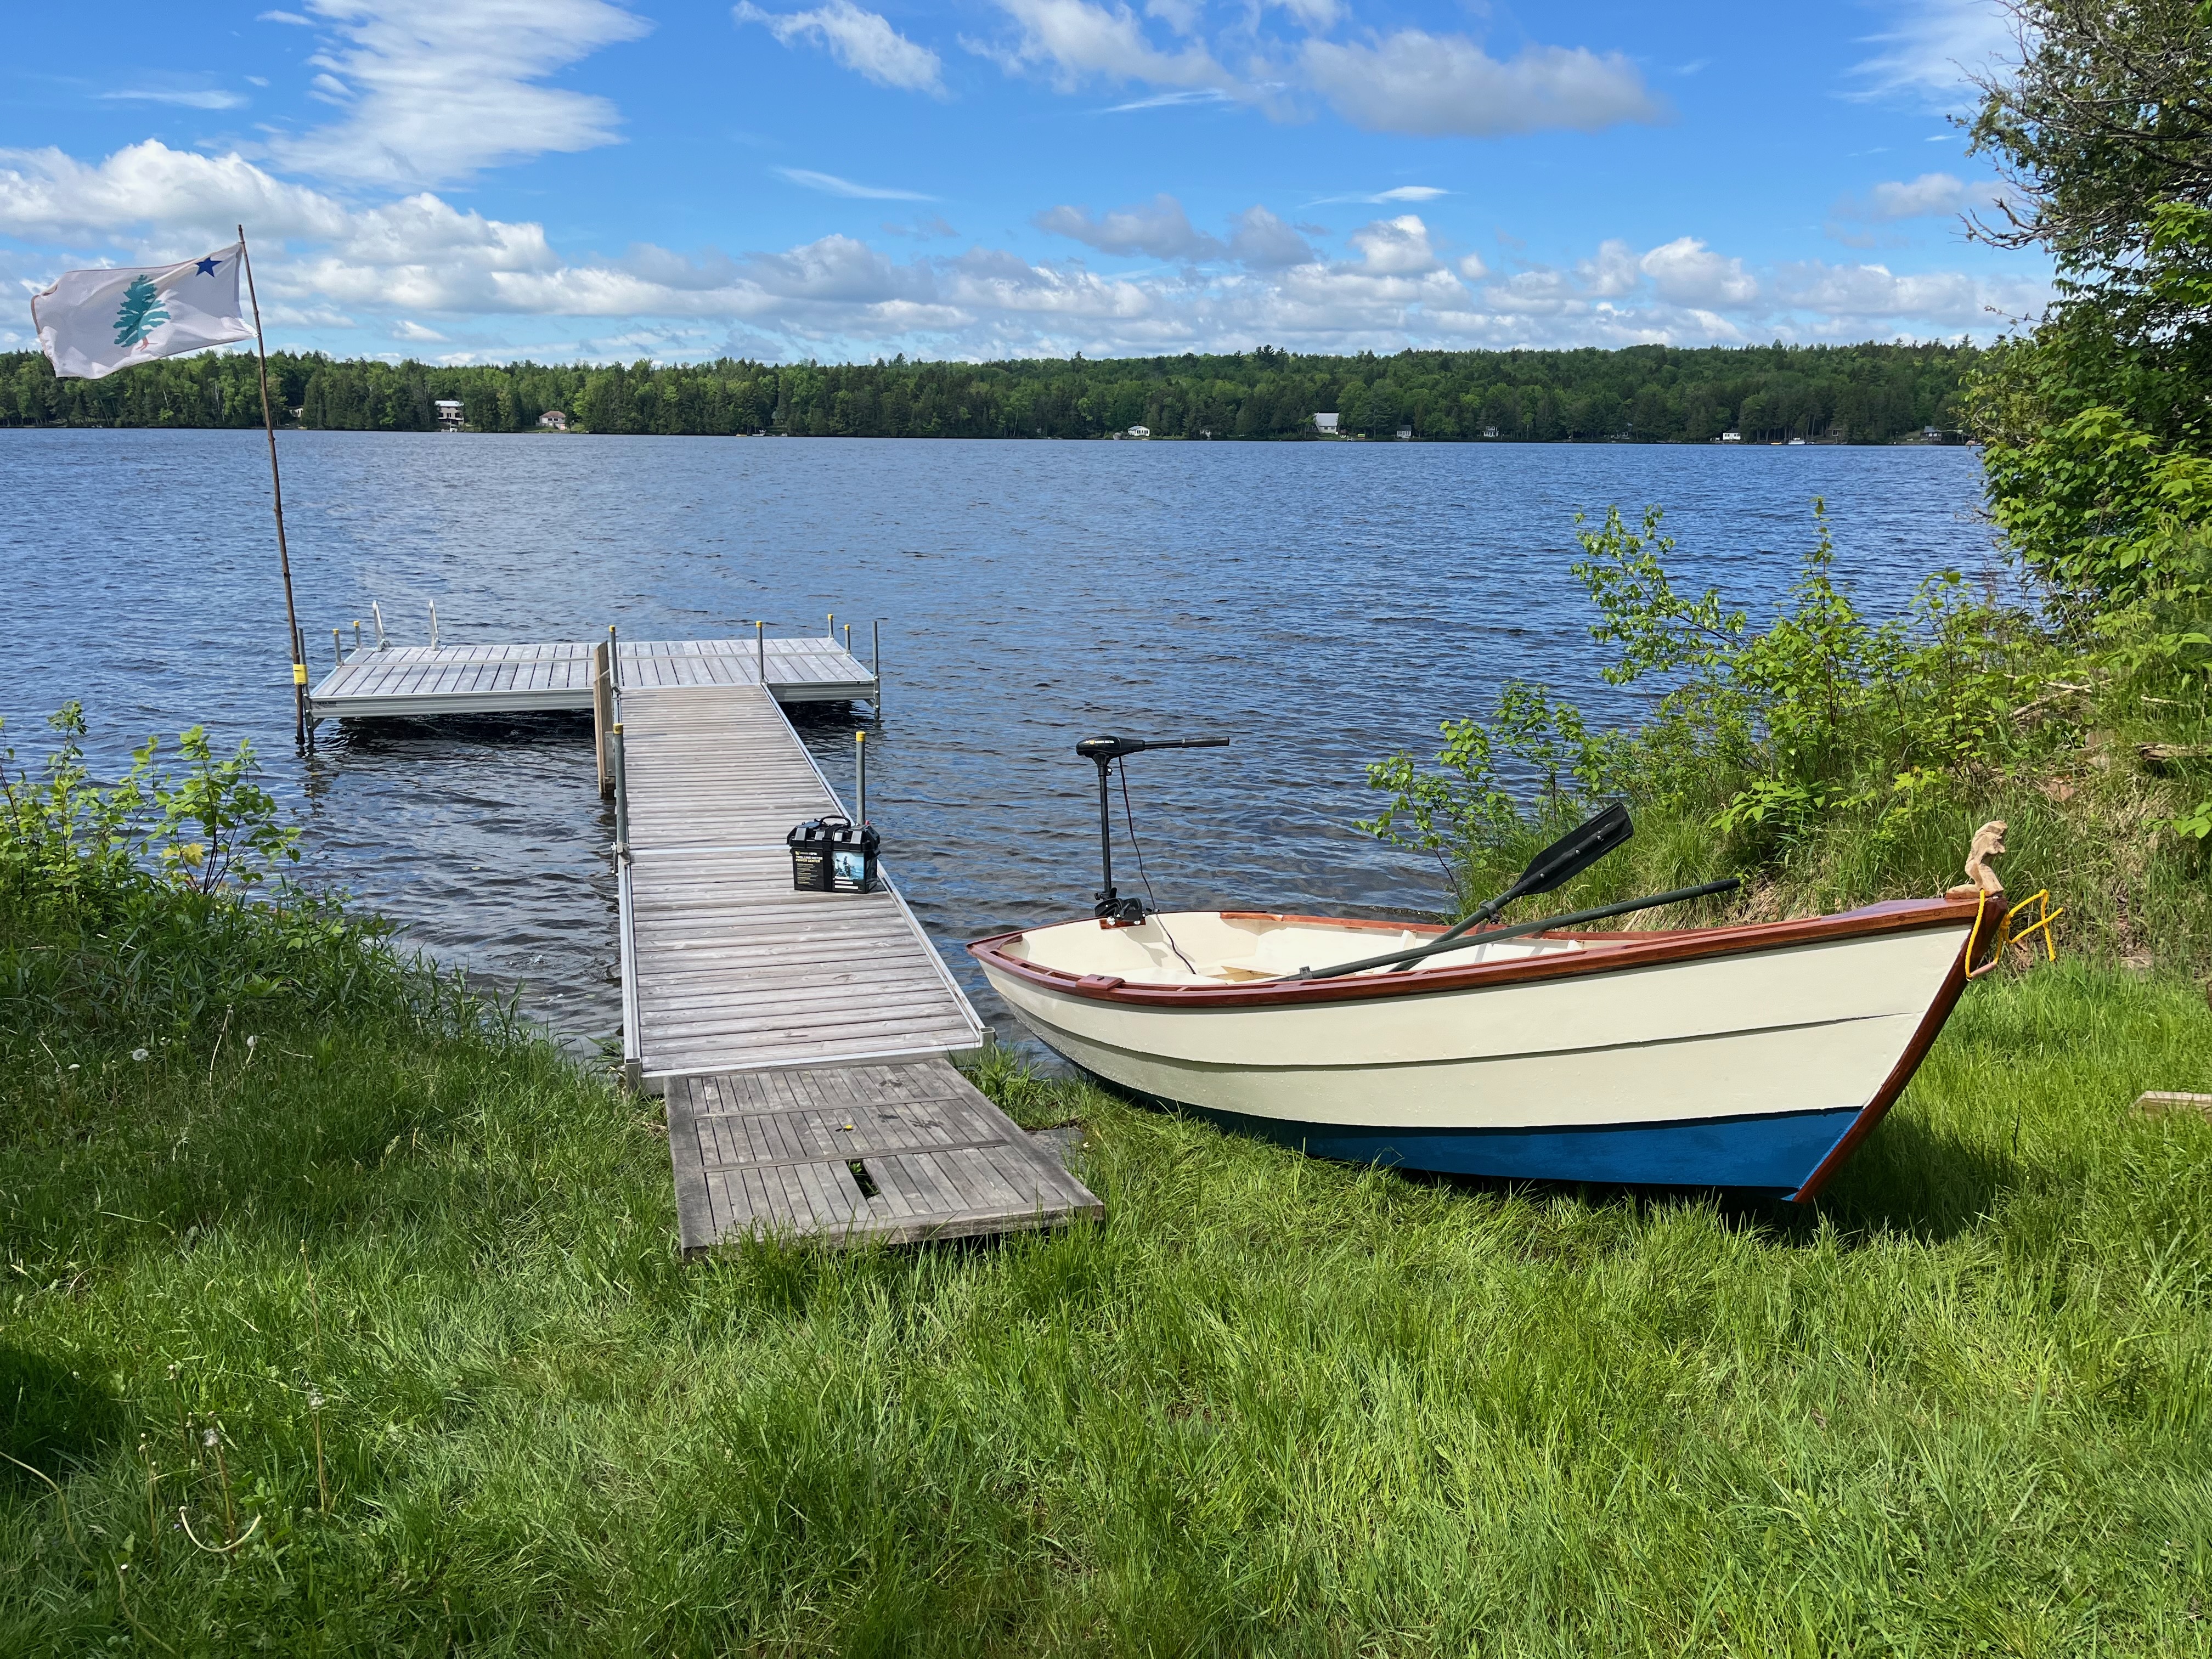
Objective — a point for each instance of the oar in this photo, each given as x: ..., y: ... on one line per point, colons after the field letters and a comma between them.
x: 1557, y: 864
x: 1571, y: 919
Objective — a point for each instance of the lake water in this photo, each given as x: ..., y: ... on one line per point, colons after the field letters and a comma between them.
x: 1323, y: 604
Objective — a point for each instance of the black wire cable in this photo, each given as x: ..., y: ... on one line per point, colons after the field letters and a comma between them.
x: 1129, y: 817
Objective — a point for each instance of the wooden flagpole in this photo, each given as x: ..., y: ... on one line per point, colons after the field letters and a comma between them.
x: 303, y: 733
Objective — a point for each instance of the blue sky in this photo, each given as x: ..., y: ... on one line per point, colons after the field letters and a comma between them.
x: 482, y: 179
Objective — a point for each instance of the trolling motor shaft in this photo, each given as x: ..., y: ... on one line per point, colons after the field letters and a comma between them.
x: 1103, y: 752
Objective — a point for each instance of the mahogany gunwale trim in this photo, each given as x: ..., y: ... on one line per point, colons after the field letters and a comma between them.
x: 1617, y: 953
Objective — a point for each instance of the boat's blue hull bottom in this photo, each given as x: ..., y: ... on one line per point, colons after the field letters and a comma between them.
x: 1774, y: 1155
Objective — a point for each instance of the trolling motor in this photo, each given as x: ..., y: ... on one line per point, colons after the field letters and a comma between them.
x: 1103, y: 752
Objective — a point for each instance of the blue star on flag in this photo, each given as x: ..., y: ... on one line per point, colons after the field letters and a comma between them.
x: 206, y: 267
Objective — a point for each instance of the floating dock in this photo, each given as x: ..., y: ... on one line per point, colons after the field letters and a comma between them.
x: 802, y: 1039
x: 421, y: 680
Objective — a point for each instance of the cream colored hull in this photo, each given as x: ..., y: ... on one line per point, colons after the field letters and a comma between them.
x: 1798, y: 1028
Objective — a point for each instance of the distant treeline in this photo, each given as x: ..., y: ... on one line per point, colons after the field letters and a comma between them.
x: 1650, y: 394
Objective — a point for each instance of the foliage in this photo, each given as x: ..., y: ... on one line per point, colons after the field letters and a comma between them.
x: 69, y: 842
x: 1466, y: 801
x: 1763, y: 733
x: 1859, y: 394
x: 2099, y: 452
x: 388, y: 1313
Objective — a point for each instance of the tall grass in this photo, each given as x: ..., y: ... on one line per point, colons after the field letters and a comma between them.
x: 1272, y: 1405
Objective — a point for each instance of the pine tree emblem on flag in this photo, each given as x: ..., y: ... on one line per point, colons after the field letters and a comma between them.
x: 92, y: 323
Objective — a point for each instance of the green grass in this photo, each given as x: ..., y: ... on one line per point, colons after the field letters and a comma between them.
x: 1272, y: 1406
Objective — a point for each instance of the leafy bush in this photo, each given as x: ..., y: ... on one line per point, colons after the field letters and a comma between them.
x: 1761, y: 735
x: 155, y: 905
x: 69, y: 842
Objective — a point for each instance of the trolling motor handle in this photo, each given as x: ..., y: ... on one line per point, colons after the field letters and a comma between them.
x: 1100, y: 751
x: 1111, y: 908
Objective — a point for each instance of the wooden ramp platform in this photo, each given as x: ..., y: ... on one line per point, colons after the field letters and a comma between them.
x: 800, y: 1038
x: 729, y: 970
x: 501, y: 679
x: 900, y: 1154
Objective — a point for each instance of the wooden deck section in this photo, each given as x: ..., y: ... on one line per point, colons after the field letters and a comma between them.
x: 500, y: 679
x: 800, y: 1038
x: 729, y: 970
x: 900, y: 1154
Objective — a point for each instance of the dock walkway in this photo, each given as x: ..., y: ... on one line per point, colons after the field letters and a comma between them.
x: 730, y: 970
x: 802, y: 1039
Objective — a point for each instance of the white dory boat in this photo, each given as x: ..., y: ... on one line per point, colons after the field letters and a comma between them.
x: 1756, y: 1056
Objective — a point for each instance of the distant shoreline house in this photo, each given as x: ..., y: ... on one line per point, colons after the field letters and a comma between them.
x: 1326, y: 423
x: 554, y: 420
x: 449, y: 413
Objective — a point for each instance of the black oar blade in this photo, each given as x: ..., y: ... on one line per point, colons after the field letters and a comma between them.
x: 1576, y: 851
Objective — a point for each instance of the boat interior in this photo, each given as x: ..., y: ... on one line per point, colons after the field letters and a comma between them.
x: 1213, y: 947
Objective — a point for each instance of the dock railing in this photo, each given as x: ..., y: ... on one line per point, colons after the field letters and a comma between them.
x: 625, y: 914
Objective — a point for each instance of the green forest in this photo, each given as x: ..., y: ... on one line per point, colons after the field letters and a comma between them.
x: 1642, y: 394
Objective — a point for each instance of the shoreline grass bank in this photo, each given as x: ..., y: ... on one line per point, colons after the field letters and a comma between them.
x: 414, y: 1274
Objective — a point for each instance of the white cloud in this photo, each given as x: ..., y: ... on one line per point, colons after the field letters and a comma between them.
x: 1429, y: 84
x: 1933, y: 49
x: 830, y: 184
x: 186, y: 100
x: 1384, y: 198
x: 1170, y: 100
x: 1181, y: 16
x: 1159, y: 230
x: 1264, y: 242
x: 1613, y: 270
x: 863, y: 41
x: 153, y: 196
x: 284, y: 17
x: 1846, y: 295
x: 1395, y: 248
x: 1074, y: 40
x: 1931, y: 194
x: 391, y: 275
x: 1685, y: 272
x: 435, y: 90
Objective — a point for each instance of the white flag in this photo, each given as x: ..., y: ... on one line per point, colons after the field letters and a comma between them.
x: 92, y: 323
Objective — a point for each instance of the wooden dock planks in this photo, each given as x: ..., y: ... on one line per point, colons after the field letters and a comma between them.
x: 800, y: 1038
x: 731, y: 969
x: 421, y: 680
x: 783, y: 1154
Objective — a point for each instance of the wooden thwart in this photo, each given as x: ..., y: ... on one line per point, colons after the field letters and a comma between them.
x: 793, y: 1154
